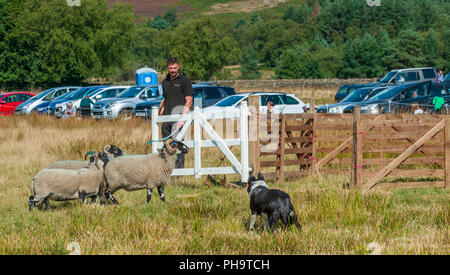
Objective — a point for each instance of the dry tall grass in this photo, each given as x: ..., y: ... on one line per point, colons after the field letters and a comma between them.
x: 197, y: 219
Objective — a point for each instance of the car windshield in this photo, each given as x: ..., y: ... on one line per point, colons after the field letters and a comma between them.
x: 41, y: 95
x: 357, y: 95
x: 131, y: 92
x: 65, y: 95
x: 93, y: 91
x: 388, y: 76
x: 438, y: 90
x: 386, y: 94
x: 375, y: 92
x: 342, y: 90
x: 229, y: 101
x: 77, y: 94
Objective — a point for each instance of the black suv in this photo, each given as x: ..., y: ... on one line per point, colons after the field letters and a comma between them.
x: 396, y: 99
x: 346, y: 90
x: 206, y: 93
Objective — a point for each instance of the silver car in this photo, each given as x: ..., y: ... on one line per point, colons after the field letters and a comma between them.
x: 125, y: 102
x: 96, y: 95
x: 47, y: 95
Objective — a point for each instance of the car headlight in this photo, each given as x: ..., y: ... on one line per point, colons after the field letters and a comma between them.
x: 336, y: 110
x: 109, y: 105
x: 371, y: 109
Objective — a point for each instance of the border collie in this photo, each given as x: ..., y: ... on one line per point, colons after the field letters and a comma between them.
x: 271, y: 204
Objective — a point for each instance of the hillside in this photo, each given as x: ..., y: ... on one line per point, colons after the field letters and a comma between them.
x: 151, y: 8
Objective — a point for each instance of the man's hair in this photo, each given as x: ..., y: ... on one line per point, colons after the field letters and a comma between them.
x: 172, y: 60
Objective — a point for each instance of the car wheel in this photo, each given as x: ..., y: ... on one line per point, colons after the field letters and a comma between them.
x: 125, y: 114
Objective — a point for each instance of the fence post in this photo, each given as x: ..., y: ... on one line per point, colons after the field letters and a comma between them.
x: 357, y: 154
x: 197, y: 144
x: 281, y: 144
x: 447, y: 152
x: 244, y: 142
x: 312, y: 108
x: 254, y: 145
x: 155, y: 130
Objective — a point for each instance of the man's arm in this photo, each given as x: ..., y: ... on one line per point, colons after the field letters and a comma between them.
x: 188, y: 104
x: 186, y: 109
x: 161, y: 107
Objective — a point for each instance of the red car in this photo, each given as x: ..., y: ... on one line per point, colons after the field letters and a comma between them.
x: 9, y: 101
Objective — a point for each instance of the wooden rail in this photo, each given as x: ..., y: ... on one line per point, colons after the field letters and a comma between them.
x: 374, y: 150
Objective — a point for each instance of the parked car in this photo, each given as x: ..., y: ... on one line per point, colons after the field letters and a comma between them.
x: 283, y: 103
x: 207, y: 94
x: 437, y: 89
x: 394, y: 77
x: 56, y: 106
x: 43, y: 107
x: 358, y: 95
x: 45, y: 96
x: 125, y: 102
x: 9, y: 101
x: 101, y: 93
x: 402, y: 76
x: 394, y: 99
x: 345, y: 90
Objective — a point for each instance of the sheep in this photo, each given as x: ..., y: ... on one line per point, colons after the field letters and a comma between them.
x: 66, y: 184
x: 135, y: 172
x: 111, y: 151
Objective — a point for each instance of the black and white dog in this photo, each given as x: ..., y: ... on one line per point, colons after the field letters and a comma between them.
x: 271, y: 204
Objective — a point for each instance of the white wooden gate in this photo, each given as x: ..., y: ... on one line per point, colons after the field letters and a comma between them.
x: 200, y: 119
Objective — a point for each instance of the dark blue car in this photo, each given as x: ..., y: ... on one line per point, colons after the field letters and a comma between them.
x: 395, y: 99
x: 205, y: 94
x: 57, y: 105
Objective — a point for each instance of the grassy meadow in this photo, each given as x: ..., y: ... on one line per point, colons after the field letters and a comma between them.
x: 197, y: 218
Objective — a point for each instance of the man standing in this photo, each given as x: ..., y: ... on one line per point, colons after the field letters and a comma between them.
x: 85, y: 106
x: 177, y: 93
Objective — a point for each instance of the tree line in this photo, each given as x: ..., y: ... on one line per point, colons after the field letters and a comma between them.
x: 47, y: 42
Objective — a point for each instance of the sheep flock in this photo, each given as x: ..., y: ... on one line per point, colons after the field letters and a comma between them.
x: 104, y: 173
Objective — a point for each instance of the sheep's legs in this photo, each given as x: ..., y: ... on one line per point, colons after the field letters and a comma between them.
x: 83, y: 197
x: 161, y: 193
x: 94, y: 199
x: 149, y: 195
x: 110, y: 196
x: 47, y: 204
x: 31, y: 203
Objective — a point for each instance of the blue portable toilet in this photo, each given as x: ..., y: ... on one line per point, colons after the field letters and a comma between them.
x: 146, y: 76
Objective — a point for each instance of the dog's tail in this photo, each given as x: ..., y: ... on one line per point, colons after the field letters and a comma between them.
x: 290, y: 217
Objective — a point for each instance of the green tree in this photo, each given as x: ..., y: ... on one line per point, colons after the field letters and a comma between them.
x: 160, y: 23
x: 50, y: 42
x: 249, y: 64
x: 201, y: 49
x: 295, y: 64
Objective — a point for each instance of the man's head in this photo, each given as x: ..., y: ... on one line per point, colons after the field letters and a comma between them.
x: 69, y: 105
x: 270, y: 104
x: 173, y: 67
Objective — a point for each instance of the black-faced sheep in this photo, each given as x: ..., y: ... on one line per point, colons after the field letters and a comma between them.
x: 66, y: 184
x: 135, y: 172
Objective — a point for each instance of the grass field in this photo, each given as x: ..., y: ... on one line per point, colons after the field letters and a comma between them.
x: 197, y: 219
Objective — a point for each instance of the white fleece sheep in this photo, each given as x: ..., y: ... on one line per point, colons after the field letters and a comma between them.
x: 66, y: 184
x: 135, y: 172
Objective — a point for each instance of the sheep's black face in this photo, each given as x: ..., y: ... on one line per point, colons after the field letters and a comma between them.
x: 103, y: 157
x: 114, y: 150
x: 181, y: 146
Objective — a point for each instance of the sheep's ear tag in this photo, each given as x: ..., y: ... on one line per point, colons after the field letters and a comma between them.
x: 90, y: 153
x: 173, y: 144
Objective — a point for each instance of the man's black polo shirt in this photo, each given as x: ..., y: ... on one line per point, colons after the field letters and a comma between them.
x: 174, y: 92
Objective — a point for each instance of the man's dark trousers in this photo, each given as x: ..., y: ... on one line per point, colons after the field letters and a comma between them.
x: 166, y: 130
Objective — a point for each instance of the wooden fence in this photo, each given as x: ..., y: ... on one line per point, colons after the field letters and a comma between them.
x: 374, y: 150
